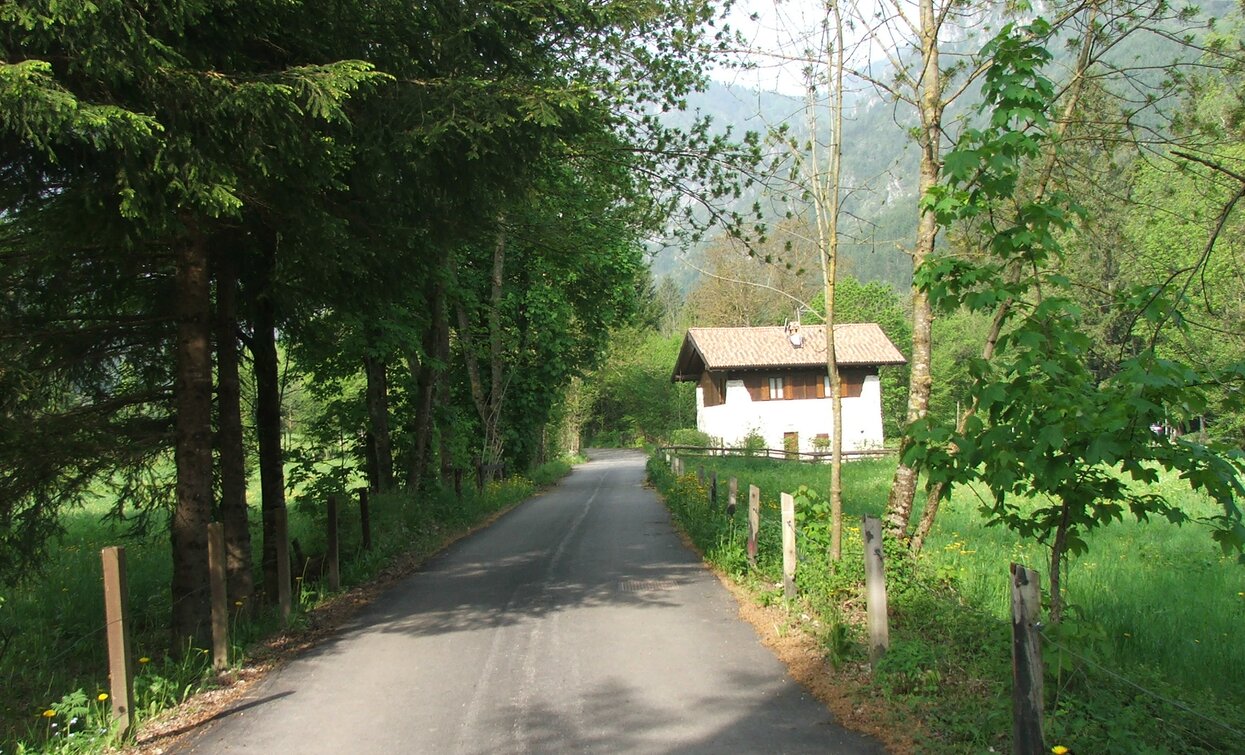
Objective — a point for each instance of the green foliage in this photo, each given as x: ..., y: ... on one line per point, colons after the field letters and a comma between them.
x: 1054, y: 444
x: 636, y: 401
x: 49, y: 628
x: 753, y: 442
x: 550, y: 472
x: 690, y: 436
x: 949, y: 664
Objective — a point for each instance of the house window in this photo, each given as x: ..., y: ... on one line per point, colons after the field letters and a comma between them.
x: 775, y: 388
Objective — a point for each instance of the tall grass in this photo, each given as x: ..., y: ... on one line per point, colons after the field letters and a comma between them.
x: 1152, y: 603
x: 51, y: 626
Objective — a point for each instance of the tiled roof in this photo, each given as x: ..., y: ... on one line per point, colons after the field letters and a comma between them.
x: 769, y: 347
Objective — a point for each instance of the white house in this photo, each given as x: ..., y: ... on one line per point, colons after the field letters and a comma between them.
x: 773, y: 380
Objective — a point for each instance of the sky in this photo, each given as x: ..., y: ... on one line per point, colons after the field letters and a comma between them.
x: 782, y: 29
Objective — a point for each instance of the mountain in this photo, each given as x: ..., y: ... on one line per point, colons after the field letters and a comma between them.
x: 880, y: 160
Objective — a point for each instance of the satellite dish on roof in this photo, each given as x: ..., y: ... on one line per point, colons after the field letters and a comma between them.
x: 793, y: 334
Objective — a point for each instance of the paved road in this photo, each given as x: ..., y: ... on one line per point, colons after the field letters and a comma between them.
x: 577, y: 622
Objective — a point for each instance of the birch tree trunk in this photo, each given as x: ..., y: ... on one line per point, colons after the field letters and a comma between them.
x: 826, y: 196
x: 1075, y: 88
x: 930, y: 108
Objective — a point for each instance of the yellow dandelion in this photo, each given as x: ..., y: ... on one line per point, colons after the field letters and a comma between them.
x: 237, y: 603
x: 1059, y: 750
x: 49, y: 713
x: 102, y: 696
x: 144, y: 659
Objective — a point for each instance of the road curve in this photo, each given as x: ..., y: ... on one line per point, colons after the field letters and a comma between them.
x: 578, y: 622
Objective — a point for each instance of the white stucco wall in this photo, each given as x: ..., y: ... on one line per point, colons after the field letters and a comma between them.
x: 739, y: 414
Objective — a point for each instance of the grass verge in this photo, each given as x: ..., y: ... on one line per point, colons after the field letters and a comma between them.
x: 1147, y: 662
x: 53, y: 661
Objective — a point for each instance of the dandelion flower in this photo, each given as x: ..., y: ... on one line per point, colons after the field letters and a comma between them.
x: 49, y: 713
x: 144, y: 659
x: 102, y: 696
x: 1059, y: 750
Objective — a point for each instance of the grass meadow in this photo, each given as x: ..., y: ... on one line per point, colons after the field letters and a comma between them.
x: 1151, y: 658
x: 53, y: 659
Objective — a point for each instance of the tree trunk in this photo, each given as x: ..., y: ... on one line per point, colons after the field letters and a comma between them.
x: 193, y: 399
x: 1075, y: 88
x: 492, y: 433
x: 830, y: 277
x: 233, y: 508
x: 378, y: 421
x: 428, y: 374
x: 268, y: 422
x: 1057, y: 550
x: 488, y: 402
x: 930, y: 105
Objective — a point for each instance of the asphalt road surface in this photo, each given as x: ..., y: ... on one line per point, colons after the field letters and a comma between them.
x: 577, y: 622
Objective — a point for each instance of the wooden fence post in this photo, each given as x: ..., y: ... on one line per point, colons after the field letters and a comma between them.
x: 788, y: 546
x: 875, y: 588
x: 282, y: 526
x: 116, y: 615
x: 713, y: 490
x: 220, y: 596
x: 754, y: 522
x: 1027, y: 694
x: 331, y: 557
x: 700, y: 474
x: 365, y: 519
x: 732, y: 496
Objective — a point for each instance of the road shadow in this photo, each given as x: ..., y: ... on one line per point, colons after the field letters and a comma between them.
x: 752, y: 713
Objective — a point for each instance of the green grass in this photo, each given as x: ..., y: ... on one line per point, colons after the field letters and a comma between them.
x: 51, y: 627
x: 1154, y: 603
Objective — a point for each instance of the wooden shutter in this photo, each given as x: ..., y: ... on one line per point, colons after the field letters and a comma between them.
x: 853, y: 381
x: 752, y: 381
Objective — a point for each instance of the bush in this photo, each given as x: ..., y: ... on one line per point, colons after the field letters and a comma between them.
x: 753, y: 443
x: 551, y: 471
x: 690, y: 436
